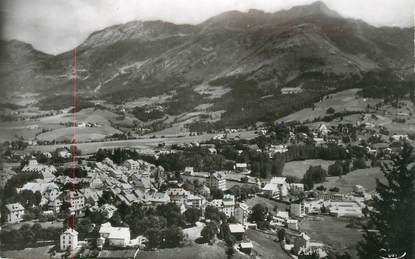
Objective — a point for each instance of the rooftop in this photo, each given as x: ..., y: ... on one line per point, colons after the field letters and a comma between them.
x: 14, y: 206
x: 236, y: 228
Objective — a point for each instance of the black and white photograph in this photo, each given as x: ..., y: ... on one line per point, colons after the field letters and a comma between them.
x: 207, y: 129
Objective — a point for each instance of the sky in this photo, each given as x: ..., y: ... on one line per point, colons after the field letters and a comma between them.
x: 55, y: 26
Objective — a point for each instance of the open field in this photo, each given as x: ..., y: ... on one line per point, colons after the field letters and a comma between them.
x: 26, y: 129
x: 348, y: 100
x: 29, y: 129
x: 265, y: 246
x: 298, y: 168
x: 342, y: 101
x: 333, y: 232
x: 197, y: 251
x: 27, y: 253
x: 143, y: 143
x: 82, y: 134
x: 365, y: 177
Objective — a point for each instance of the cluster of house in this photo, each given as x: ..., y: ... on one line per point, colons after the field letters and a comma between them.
x: 135, y: 181
x: 81, y: 124
x: 44, y: 171
x: 278, y: 188
x: 338, y: 205
x: 231, y: 208
x: 303, y: 245
x: 116, y: 237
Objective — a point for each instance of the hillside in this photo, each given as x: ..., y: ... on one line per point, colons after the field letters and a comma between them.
x: 248, y: 56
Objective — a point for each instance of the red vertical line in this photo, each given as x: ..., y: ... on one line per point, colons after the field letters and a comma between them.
x: 73, y: 145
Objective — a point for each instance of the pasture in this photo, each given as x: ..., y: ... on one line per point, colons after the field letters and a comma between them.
x: 299, y: 168
x: 332, y: 232
x: 365, y: 177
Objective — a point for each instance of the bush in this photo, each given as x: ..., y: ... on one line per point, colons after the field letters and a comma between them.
x: 314, y: 174
x: 330, y: 110
x: 334, y: 189
x: 359, y: 163
x: 336, y: 169
x: 321, y: 188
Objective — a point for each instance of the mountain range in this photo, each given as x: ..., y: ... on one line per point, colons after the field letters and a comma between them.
x: 248, y: 56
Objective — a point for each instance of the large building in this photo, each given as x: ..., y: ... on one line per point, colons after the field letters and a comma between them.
x: 195, y: 201
x: 242, y: 213
x: 15, y: 213
x: 46, y: 171
x: 178, y: 195
x: 241, y: 167
x: 344, y: 209
x: 277, y: 187
x: 228, y: 205
x: 237, y: 230
x: 76, y: 201
x: 217, y: 181
x: 69, y: 240
x: 297, y: 209
x: 116, y: 236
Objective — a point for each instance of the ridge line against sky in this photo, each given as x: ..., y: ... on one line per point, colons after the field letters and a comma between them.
x: 56, y: 26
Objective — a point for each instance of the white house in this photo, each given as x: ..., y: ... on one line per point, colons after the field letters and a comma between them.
x: 291, y: 90
x: 292, y: 224
x: 116, y: 236
x: 195, y: 201
x: 15, y: 213
x: 217, y: 181
x: 283, y: 215
x: 344, y: 209
x: 189, y: 170
x: 277, y: 187
x: 69, y: 240
x: 76, y: 201
x: 212, y: 150
x: 229, y: 205
x: 55, y: 205
x: 323, y: 130
x: 177, y: 195
x: 132, y: 164
x: 277, y: 149
x: 107, y: 210
x: 63, y: 153
x: 241, y: 167
x: 237, y: 230
x: 226, y: 205
x: 241, y: 213
x: 297, y: 209
x: 397, y: 137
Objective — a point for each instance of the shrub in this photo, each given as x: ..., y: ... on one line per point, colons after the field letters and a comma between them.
x: 330, y: 110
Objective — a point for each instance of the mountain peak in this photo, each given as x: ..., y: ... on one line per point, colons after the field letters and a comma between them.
x: 319, y: 4
x: 321, y: 8
x: 143, y: 30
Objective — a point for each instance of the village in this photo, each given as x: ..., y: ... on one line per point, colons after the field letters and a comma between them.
x: 225, y: 192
